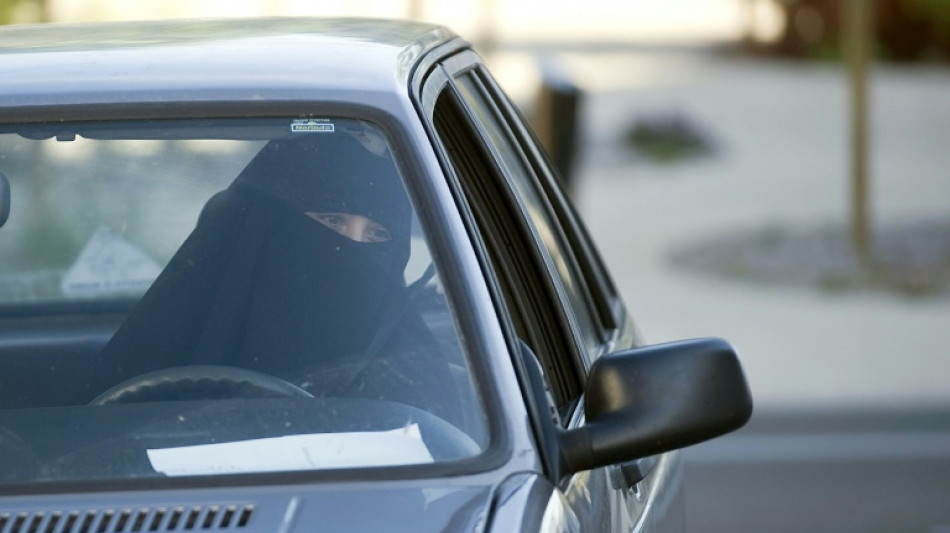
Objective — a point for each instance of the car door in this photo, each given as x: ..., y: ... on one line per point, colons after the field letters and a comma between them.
x: 559, y: 307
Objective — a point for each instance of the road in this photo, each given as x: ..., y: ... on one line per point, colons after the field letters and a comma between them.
x: 858, y: 471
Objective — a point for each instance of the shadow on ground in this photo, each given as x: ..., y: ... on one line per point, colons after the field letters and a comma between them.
x: 911, y: 259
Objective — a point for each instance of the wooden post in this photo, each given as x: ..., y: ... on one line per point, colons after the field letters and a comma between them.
x: 857, y: 20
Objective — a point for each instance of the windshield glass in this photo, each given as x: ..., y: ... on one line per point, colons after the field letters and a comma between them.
x: 182, y: 298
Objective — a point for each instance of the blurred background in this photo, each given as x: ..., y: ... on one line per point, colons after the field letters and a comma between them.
x: 775, y: 172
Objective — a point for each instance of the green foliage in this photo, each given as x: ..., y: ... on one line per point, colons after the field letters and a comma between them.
x: 23, y: 11
x: 903, y: 30
x: 668, y: 138
x: 935, y: 10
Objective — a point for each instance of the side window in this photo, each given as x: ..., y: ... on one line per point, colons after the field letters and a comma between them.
x: 549, y: 233
x: 530, y: 298
x: 603, y: 293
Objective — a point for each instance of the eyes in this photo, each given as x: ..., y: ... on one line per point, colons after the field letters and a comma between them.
x: 354, y: 227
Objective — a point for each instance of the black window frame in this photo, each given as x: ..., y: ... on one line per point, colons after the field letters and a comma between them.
x: 594, y: 289
x: 531, y: 303
x: 604, y: 298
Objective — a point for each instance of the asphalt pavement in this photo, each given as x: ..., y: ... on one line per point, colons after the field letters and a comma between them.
x: 852, y: 389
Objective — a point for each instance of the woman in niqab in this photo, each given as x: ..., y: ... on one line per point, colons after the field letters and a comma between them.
x: 265, y: 283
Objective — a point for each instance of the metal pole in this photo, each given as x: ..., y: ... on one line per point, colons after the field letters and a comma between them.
x: 858, y: 24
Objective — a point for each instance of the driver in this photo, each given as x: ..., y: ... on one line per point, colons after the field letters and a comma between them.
x: 296, y: 270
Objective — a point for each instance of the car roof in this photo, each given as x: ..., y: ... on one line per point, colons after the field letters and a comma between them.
x: 263, y: 59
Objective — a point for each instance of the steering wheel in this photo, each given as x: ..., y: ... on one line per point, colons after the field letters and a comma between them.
x: 199, y: 382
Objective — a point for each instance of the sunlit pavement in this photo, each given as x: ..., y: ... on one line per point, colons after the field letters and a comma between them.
x: 852, y: 390
x: 781, y: 129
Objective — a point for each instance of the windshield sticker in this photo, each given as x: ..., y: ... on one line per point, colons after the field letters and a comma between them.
x: 107, y: 266
x: 311, y: 125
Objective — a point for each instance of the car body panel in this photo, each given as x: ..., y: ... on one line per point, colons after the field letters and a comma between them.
x: 205, y: 61
x: 338, y: 507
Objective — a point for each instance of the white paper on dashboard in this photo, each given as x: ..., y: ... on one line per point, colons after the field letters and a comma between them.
x: 109, y: 265
x: 399, y: 446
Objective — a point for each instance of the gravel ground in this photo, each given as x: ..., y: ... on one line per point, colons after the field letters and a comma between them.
x: 911, y: 259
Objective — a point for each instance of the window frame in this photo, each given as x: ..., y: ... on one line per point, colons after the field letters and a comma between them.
x: 527, y: 302
x: 604, y: 298
x: 601, y: 301
x: 407, y: 158
x: 597, y: 295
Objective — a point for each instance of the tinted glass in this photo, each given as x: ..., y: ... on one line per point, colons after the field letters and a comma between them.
x: 544, y: 223
x: 186, y: 298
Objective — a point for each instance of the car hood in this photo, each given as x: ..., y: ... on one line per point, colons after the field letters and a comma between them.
x: 386, y: 509
x: 345, y: 507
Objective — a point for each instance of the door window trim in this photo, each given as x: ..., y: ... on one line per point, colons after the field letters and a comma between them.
x: 529, y: 302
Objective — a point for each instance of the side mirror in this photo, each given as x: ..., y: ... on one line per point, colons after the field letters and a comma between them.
x: 655, y: 399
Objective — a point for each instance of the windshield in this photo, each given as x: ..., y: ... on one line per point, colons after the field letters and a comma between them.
x: 192, y: 298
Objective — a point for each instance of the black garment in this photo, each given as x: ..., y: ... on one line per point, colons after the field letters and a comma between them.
x: 260, y: 285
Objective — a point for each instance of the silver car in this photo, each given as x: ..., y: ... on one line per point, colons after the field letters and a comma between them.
x: 313, y: 275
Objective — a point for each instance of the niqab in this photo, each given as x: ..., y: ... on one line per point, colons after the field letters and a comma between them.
x: 259, y: 284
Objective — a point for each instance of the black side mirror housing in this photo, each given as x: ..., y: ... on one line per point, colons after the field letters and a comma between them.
x: 656, y: 399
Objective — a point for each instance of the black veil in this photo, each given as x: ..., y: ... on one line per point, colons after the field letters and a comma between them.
x: 259, y: 284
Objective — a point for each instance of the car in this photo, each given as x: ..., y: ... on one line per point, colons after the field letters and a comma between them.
x: 293, y: 274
